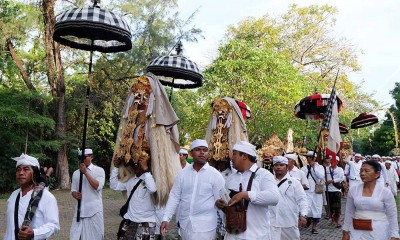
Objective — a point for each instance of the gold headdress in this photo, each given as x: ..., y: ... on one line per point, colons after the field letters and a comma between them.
x: 132, y: 143
x: 273, y: 146
x: 346, y: 149
x: 226, y: 126
x: 148, y: 130
x: 221, y: 121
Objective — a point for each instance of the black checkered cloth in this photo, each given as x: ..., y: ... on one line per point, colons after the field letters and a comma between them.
x: 78, y: 27
x: 329, y: 107
x: 176, y: 67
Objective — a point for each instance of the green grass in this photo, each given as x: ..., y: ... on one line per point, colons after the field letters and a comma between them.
x: 5, y: 196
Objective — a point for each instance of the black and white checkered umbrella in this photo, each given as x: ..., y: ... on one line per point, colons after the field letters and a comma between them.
x: 178, y: 71
x: 93, y: 29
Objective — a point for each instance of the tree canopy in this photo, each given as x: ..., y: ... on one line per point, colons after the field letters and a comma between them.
x: 270, y: 63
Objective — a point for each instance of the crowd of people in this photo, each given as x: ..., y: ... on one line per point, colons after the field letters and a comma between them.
x: 243, y: 201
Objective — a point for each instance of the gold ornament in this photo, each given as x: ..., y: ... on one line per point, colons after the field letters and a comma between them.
x: 219, y: 148
x: 129, y: 149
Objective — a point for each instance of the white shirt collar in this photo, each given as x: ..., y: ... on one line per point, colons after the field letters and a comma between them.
x: 204, y: 167
x: 91, y: 166
x: 294, y: 169
x: 286, y: 176
x: 253, y: 168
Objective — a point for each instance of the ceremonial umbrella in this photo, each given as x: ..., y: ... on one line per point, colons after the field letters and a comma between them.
x: 314, y: 106
x: 343, y: 128
x: 364, y: 120
x: 176, y: 71
x: 92, y: 29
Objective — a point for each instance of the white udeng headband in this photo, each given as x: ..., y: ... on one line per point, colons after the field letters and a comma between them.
x: 245, y: 147
x: 26, y: 160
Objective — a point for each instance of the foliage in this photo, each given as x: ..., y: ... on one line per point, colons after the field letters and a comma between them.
x: 155, y: 27
x: 383, y: 139
x: 23, y: 125
x: 271, y: 63
x: 155, y: 31
x: 262, y: 78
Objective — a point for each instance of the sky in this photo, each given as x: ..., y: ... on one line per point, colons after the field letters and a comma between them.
x: 370, y: 25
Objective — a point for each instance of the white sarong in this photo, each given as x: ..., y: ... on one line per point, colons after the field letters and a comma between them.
x: 88, y: 228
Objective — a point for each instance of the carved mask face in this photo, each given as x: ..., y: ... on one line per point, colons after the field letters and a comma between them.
x: 221, y: 109
x: 141, y: 90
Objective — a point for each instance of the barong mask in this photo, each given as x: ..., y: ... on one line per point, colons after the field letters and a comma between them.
x: 266, y: 154
x: 221, y: 121
x: 148, y: 132
x: 273, y: 147
x: 133, y: 144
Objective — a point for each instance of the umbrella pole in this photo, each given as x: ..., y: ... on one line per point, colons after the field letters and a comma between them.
x: 172, y: 89
x: 85, y: 120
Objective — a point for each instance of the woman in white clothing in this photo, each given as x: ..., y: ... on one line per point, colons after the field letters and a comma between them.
x: 373, y: 205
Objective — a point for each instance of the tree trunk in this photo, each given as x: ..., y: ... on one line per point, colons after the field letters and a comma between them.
x: 18, y: 62
x: 55, y: 73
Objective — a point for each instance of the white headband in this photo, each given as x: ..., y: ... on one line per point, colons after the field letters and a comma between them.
x: 183, y: 151
x: 245, y: 147
x: 88, y: 151
x: 26, y: 160
x: 198, y: 143
x: 291, y: 156
x: 279, y: 159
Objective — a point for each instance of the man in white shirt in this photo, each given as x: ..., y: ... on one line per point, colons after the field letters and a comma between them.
x: 352, y: 170
x: 45, y: 222
x: 295, y: 172
x: 195, y: 191
x: 393, y: 179
x: 263, y: 193
x: 292, y: 207
x: 383, y: 178
x: 91, y: 222
x: 396, y: 163
x: 315, y: 175
x: 183, y: 156
x: 335, y: 177
x: 140, y: 218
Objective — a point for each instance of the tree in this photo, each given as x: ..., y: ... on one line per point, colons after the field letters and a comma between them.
x: 382, y: 141
x: 271, y: 63
x: 24, y: 129
x: 43, y: 69
x: 18, y: 20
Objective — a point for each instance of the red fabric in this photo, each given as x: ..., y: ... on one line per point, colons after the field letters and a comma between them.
x: 316, y: 96
x: 333, y: 155
x: 244, y: 109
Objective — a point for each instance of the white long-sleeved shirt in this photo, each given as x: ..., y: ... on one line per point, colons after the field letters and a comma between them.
x: 141, y: 207
x: 352, y: 170
x: 195, y: 192
x: 338, y: 177
x: 292, y: 203
x: 393, y: 179
x: 395, y: 165
x: 299, y: 175
x: 263, y: 194
x: 317, y: 173
x: 45, y: 223
x: 91, y: 202
x: 383, y: 178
